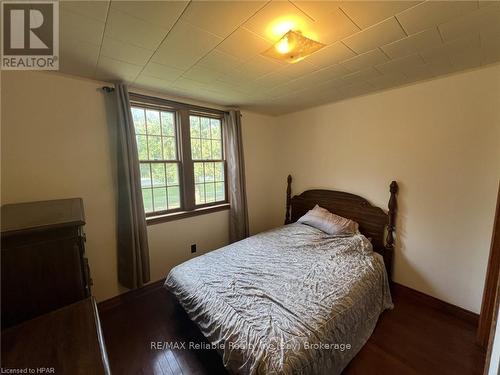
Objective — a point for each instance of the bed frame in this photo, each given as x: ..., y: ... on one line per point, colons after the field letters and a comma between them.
x: 374, y: 223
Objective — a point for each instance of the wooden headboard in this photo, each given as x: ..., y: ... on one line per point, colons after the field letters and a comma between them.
x: 374, y: 223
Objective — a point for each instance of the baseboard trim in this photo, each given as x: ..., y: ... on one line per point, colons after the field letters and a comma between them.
x: 120, y: 299
x: 435, y: 303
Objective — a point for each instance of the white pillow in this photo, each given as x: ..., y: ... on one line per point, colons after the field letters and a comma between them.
x: 324, y: 220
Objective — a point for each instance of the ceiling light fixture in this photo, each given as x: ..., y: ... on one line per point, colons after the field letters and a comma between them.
x: 293, y: 47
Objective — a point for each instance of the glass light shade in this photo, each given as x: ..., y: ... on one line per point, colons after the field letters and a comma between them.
x: 293, y: 47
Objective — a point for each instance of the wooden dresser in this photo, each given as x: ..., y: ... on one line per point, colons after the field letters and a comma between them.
x: 65, y: 341
x: 43, y: 262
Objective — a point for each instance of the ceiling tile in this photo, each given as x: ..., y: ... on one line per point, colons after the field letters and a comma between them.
x: 126, y: 28
x: 357, y: 89
x: 317, y: 9
x: 222, y: 86
x: 184, y: 46
x: 162, y: 72
x: 483, y: 19
x: 331, y: 72
x: 250, y: 89
x: 111, y: 69
x: 272, y: 79
x: 80, y: 28
x: 201, y: 94
x: 97, y: 10
x: 360, y: 76
x: 440, y: 67
x: 419, y: 72
x: 220, y: 17
x: 278, y: 17
x: 333, y: 26
x: 244, y: 45
x: 293, y: 86
x: 304, y: 81
x: 426, y: 39
x: 78, y: 58
x: 81, y: 51
x: 387, y: 80
x: 76, y: 67
x: 400, y: 65
x: 125, y: 52
x: 192, y: 61
x: 452, y: 53
x: 79, y: 38
x: 468, y: 42
x: 466, y: 59
x: 298, y: 69
x: 368, y: 13
x: 201, y: 74
x: 189, y: 84
x: 435, y: 55
x: 234, y: 78
x: 258, y: 67
x: 431, y: 13
x: 365, y: 60
x: 152, y: 83
x: 315, y: 80
x: 276, y: 92
x: 162, y: 14
x: 330, y: 55
x: 220, y: 61
x: 464, y: 52
x: 332, y: 83
x: 375, y: 36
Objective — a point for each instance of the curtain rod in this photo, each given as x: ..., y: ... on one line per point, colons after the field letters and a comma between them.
x: 109, y: 89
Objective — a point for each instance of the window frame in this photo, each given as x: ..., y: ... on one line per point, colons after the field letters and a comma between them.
x: 223, y: 158
x: 185, y: 162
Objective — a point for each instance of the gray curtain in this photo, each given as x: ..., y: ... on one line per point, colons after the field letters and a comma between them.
x: 133, y: 252
x: 238, y: 214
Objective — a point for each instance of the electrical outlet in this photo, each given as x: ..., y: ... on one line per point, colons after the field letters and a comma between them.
x: 193, y: 248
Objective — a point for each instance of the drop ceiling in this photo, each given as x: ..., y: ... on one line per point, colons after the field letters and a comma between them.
x: 211, y: 50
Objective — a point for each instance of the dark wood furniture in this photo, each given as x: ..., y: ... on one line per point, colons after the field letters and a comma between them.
x: 374, y: 223
x: 68, y: 340
x: 43, y: 263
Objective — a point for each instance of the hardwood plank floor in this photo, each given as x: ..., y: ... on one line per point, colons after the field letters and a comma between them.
x: 411, y: 339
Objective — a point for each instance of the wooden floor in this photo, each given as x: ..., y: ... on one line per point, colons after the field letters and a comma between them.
x: 411, y: 339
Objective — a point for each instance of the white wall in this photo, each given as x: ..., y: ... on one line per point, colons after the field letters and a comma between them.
x: 265, y: 180
x: 56, y: 143
x: 441, y: 141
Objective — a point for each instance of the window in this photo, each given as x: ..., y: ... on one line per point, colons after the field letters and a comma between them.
x: 156, y: 137
x: 181, y: 157
x: 206, y: 152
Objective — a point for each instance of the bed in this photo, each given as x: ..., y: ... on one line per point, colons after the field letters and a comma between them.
x: 293, y: 300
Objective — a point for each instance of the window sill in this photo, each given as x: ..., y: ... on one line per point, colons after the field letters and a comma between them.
x: 185, y: 214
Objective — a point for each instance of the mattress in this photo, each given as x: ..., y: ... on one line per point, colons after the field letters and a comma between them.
x: 292, y: 300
